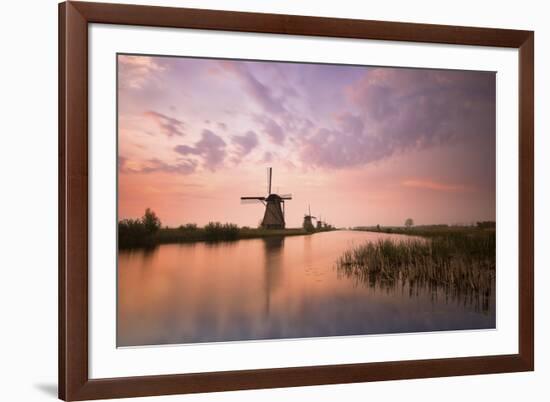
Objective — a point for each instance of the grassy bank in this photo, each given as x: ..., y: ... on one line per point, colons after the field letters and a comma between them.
x: 219, y: 232
x: 460, y: 261
x: 147, y: 231
x: 212, y: 232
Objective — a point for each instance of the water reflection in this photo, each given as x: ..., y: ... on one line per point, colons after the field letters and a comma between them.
x: 419, y: 267
x: 269, y: 288
x: 479, y: 301
x: 273, y: 251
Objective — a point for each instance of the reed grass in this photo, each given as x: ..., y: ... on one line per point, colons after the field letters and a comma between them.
x: 460, y: 263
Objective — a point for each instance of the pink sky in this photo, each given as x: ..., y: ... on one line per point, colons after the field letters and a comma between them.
x: 361, y: 145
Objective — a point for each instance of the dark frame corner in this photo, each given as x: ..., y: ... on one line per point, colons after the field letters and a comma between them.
x: 74, y: 382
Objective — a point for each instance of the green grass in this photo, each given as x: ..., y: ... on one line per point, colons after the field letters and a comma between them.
x: 459, y: 261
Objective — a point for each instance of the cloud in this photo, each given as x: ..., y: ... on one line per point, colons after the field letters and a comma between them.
x: 245, y: 143
x: 350, y: 123
x: 181, y: 167
x: 433, y: 185
x: 271, y: 128
x: 135, y: 72
x: 168, y: 126
x: 123, y: 165
x: 254, y: 88
x: 399, y: 110
x: 156, y: 165
x: 211, y: 148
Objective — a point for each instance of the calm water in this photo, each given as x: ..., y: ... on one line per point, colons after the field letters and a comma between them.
x: 270, y: 288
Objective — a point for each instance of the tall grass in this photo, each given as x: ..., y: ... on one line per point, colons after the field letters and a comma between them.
x: 216, y: 231
x: 460, y: 263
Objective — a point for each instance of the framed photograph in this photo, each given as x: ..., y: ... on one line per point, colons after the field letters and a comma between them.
x: 259, y: 200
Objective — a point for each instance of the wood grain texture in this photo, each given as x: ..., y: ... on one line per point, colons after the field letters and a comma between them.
x: 74, y: 382
x: 73, y: 201
x: 298, y: 25
x: 62, y: 191
x: 526, y: 200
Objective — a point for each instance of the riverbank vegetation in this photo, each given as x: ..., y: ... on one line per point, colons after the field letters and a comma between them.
x: 461, y: 261
x: 216, y: 231
x: 430, y: 230
x: 134, y: 233
x: 139, y: 232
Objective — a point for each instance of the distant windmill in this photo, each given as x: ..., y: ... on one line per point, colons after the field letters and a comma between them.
x: 308, y: 223
x: 274, y: 216
x: 319, y: 223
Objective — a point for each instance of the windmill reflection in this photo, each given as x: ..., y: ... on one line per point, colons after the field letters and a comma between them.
x: 273, y: 252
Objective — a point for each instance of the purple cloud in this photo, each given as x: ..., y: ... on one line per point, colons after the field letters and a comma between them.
x: 245, y: 143
x: 168, y: 126
x: 272, y: 129
x: 211, y: 148
x: 254, y: 88
x: 397, y: 110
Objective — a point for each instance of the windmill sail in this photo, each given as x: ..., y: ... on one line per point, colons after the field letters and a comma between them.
x: 269, y: 174
x: 252, y: 200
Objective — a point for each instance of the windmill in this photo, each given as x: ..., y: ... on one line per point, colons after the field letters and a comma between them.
x: 319, y: 223
x: 308, y: 223
x: 274, y: 216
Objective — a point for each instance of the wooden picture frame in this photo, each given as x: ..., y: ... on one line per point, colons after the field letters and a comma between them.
x: 74, y: 381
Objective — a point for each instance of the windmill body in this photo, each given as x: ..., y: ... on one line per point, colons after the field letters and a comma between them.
x: 274, y: 215
x: 308, y: 224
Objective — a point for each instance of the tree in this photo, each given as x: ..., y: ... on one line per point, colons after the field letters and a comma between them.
x: 151, y: 222
x: 409, y: 222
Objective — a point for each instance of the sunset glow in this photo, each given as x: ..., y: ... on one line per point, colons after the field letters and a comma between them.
x: 361, y: 145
